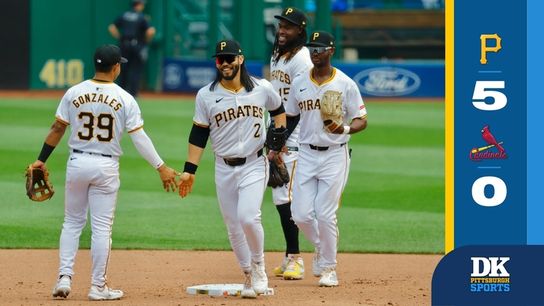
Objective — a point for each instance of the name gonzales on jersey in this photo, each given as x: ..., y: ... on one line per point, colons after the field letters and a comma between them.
x: 97, y: 98
x: 242, y: 111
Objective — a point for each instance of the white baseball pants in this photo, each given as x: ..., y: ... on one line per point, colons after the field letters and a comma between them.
x: 240, y: 191
x: 92, y: 182
x: 319, y: 181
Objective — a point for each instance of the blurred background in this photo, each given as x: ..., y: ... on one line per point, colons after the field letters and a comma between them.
x: 391, y: 48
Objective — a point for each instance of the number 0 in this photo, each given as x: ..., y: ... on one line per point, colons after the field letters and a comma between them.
x: 499, y: 194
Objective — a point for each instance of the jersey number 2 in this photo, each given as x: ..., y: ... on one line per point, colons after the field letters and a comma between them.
x: 257, y: 127
x: 104, y: 122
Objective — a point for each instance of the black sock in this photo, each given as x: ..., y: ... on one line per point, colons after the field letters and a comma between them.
x: 290, y: 229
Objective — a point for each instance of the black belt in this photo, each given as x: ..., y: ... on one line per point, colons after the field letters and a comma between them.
x: 91, y: 153
x: 238, y: 161
x: 318, y: 148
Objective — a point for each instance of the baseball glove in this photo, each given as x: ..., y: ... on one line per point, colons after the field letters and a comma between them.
x: 38, y: 186
x: 279, y: 175
x: 276, y: 138
x: 331, y: 110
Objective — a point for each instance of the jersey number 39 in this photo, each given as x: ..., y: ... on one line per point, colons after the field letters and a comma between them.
x: 100, y: 126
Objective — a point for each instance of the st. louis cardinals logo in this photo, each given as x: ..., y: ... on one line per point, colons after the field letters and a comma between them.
x: 477, y: 154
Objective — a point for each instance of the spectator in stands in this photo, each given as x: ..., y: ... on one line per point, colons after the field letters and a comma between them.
x: 134, y: 32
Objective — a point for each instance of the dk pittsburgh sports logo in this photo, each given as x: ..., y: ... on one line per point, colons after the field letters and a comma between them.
x: 478, y: 154
x: 489, y: 274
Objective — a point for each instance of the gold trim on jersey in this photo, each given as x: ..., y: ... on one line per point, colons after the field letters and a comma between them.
x: 266, y: 170
x: 62, y: 121
x: 101, y: 81
x: 290, y: 189
x: 134, y: 130
x: 346, y: 173
x: 200, y: 125
x: 333, y: 74
x: 361, y: 117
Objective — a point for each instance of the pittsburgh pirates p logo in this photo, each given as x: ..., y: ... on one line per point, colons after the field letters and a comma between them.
x: 288, y: 11
x: 315, y: 36
x: 223, y: 45
x: 485, y: 48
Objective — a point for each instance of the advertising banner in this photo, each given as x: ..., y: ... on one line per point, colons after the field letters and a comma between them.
x: 189, y: 75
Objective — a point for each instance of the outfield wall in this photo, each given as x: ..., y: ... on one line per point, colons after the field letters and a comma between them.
x: 15, y: 38
x: 375, y: 78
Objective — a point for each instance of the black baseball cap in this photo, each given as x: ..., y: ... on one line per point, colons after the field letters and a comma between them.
x: 321, y: 39
x: 227, y: 47
x: 293, y: 15
x: 108, y: 55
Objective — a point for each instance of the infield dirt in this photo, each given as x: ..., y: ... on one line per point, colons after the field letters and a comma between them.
x: 161, y: 278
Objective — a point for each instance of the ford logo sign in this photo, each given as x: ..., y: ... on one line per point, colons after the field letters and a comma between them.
x: 387, y: 81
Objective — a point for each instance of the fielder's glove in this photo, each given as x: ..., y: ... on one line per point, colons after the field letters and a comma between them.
x: 331, y: 110
x: 38, y: 186
x: 279, y: 175
x: 276, y: 138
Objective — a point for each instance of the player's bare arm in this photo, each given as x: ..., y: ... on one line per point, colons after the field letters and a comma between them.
x: 197, y: 142
x: 280, y: 120
x: 188, y: 176
x: 356, y: 125
x: 55, y: 133
x: 51, y: 141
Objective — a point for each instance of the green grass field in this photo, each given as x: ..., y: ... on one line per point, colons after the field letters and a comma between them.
x: 394, y: 200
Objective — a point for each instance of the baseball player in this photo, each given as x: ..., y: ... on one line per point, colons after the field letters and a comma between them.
x: 290, y: 58
x: 230, y: 111
x: 323, y: 160
x: 98, y: 112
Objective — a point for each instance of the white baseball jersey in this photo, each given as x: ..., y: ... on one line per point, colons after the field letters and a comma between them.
x: 282, y: 75
x: 99, y: 113
x: 236, y: 119
x: 236, y: 122
x: 304, y: 99
x: 323, y: 161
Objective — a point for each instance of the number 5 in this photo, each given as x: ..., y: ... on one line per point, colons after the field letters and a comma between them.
x: 480, y: 93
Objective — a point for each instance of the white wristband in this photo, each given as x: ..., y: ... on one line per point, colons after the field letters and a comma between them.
x: 347, y: 128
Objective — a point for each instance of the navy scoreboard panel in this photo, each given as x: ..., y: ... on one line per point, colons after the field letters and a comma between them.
x: 494, y: 161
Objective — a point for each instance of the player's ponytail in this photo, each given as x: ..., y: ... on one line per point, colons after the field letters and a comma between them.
x: 217, y: 79
x: 245, y: 78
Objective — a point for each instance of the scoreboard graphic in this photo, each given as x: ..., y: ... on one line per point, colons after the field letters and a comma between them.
x: 494, y: 107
